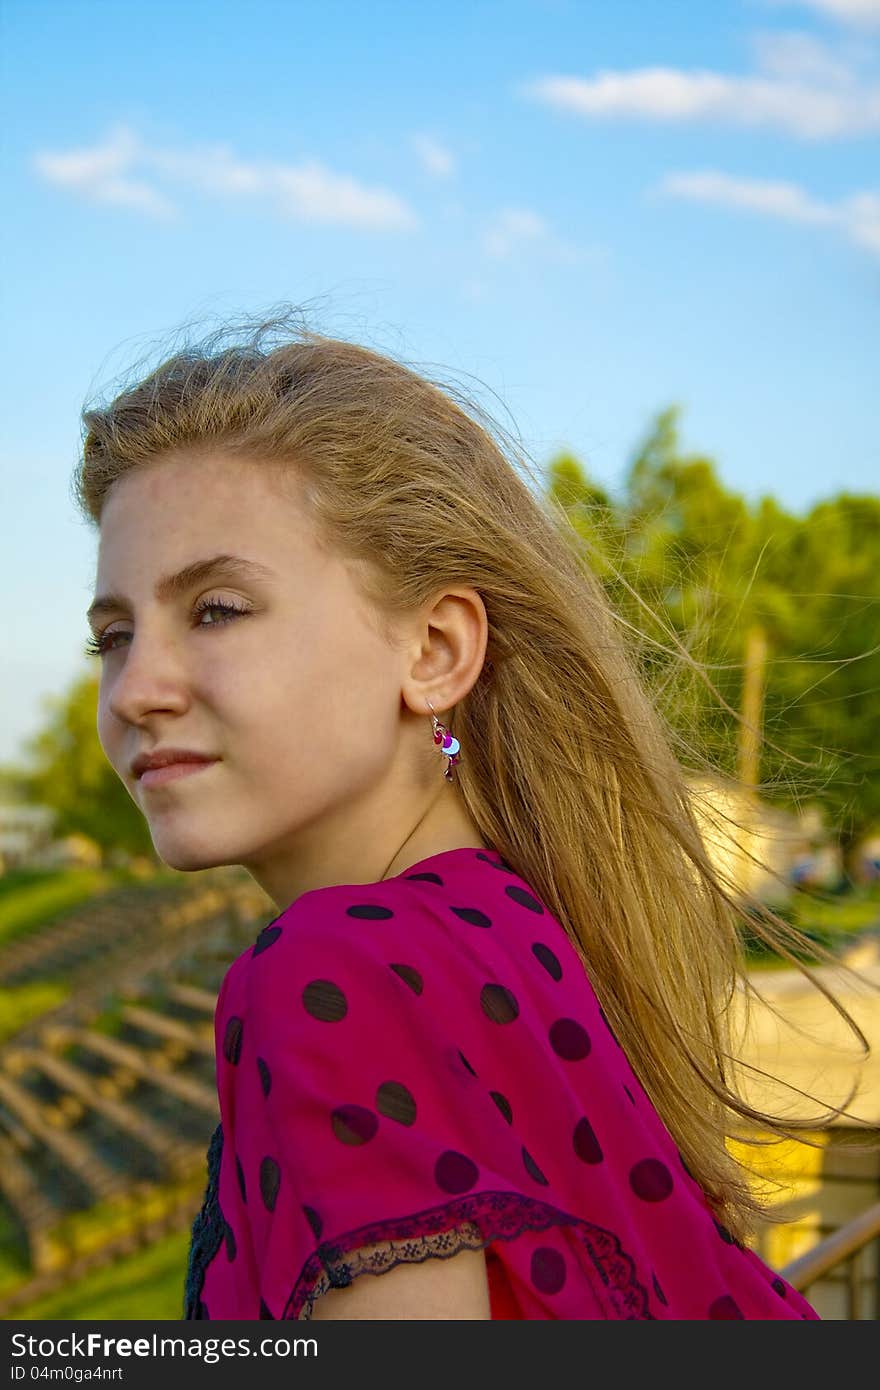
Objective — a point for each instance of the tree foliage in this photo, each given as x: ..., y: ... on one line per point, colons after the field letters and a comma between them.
x: 715, y: 571
x: 68, y: 771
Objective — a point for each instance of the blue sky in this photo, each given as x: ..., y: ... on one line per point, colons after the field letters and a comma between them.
x: 578, y: 212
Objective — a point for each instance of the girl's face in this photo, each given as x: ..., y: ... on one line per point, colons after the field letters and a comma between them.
x: 295, y: 694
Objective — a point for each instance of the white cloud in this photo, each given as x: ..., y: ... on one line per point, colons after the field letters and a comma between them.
x: 857, y: 217
x: 315, y: 194
x: 307, y: 192
x: 859, y: 12
x: 860, y: 214
x: 514, y: 230
x: 511, y: 228
x: 98, y: 174
x: 436, y: 158
x: 797, y: 56
x: 802, y: 86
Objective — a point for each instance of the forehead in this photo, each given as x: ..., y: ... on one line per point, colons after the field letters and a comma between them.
x: 167, y: 515
x: 171, y: 509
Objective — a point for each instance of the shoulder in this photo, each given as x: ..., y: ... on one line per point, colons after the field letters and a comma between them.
x: 365, y: 954
x: 369, y: 927
x: 462, y: 943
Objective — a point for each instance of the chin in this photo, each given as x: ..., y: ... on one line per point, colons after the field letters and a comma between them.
x: 189, y: 859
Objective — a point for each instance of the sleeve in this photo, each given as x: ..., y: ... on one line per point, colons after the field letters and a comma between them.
x: 382, y: 1144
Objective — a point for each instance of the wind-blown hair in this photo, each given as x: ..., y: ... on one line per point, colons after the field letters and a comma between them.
x: 567, y: 767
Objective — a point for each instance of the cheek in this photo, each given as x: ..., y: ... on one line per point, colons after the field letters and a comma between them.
x: 108, y: 729
x: 334, y: 727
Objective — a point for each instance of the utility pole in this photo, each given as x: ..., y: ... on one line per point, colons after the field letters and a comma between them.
x: 749, y: 740
x: 748, y: 768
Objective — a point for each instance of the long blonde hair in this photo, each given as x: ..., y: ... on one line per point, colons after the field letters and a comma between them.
x: 567, y: 765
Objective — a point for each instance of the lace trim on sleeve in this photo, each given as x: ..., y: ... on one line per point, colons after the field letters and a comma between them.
x: 209, y: 1230
x: 470, y: 1223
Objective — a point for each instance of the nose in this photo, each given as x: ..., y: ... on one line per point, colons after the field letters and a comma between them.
x: 150, y: 676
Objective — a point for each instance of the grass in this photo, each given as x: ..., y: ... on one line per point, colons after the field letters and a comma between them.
x: 851, y: 914
x: 147, y: 1285
x: 13, y: 1255
x: 14, y: 879
x: 19, y: 1004
x: 29, y: 900
x: 833, y: 922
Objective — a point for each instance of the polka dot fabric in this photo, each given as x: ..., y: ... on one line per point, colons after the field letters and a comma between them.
x: 418, y: 1066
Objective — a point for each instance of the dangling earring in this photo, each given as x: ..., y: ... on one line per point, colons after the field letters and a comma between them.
x: 448, y: 744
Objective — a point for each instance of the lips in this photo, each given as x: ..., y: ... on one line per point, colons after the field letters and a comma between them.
x: 173, y: 772
x: 165, y: 757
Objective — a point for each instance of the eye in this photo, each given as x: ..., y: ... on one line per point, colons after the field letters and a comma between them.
x: 100, y: 645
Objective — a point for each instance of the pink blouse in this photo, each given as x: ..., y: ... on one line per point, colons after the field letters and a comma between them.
x: 423, y: 1061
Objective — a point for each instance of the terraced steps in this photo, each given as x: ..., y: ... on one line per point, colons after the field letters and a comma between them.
x: 159, y: 1141
x: 112, y: 1094
x: 182, y: 1088
x: 97, y: 1177
x: 85, y: 936
x: 152, y: 1022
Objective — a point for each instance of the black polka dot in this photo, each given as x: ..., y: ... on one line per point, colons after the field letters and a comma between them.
x: 629, y: 1095
x: 325, y: 1001
x: 265, y: 1076
x: 372, y: 912
x: 498, y: 1004
x: 454, y: 1172
x: 586, y: 1145
x: 473, y: 916
x: 503, y: 1105
x: 232, y: 1040
x: 268, y: 936
x: 394, y: 1100
x: 410, y: 976
x: 569, y: 1040
x: 725, y: 1307
x: 427, y: 877
x: 658, y: 1291
x: 467, y: 1063
x: 240, y: 1171
x: 532, y: 1168
x: 229, y: 1237
x: 524, y: 898
x: 353, y: 1124
x: 723, y: 1232
x: 780, y: 1288
x: 499, y: 863
x: 314, y: 1221
x: 549, y: 961
x: 264, y: 1312
x: 270, y: 1181
x: 547, y: 1269
x: 651, y: 1180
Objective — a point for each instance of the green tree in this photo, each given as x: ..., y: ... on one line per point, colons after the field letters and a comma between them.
x: 824, y: 687
x: 780, y: 610
x: 68, y: 771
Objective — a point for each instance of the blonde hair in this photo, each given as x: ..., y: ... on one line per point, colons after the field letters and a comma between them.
x: 567, y: 764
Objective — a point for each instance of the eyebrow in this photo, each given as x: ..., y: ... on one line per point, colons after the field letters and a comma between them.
x: 169, y: 586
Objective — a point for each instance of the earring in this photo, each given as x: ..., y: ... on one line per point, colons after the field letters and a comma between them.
x: 448, y: 744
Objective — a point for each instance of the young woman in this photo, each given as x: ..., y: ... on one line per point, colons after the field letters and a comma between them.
x: 482, y: 1049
